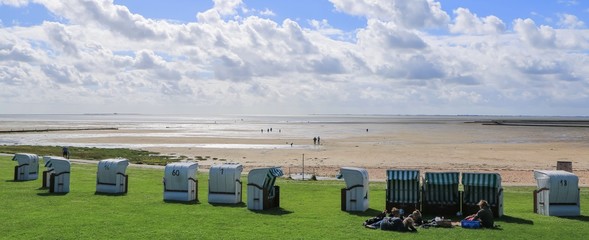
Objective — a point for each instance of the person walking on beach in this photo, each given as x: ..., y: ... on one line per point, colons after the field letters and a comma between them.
x: 65, y: 152
x: 315, y: 141
x: 318, y: 141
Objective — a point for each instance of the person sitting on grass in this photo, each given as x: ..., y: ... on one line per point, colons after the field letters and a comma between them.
x: 484, y: 215
x: 417, y: 218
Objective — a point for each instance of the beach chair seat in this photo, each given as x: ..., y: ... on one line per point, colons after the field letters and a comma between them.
x: 262, y: 194
x: 403, y: 190
x: 440, y: 193
x: 482, y: 186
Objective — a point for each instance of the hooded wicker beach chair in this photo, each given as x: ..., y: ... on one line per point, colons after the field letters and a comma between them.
x: 482, y: 186
x: 403, y: 190
x: 354, y: 197
x: 180, y: 182
x: 111, y: 177
x: 58, y: 174
x: 225, y: 183
x: 557, y: 193
x: 440, y: 193
x: 28, y: 167
x: 261, y: 192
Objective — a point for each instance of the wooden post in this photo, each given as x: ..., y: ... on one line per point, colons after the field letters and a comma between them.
x: 303, y: 166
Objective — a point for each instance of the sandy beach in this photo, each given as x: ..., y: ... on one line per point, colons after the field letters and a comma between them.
x: 377, y: 143
x: 438, y: 150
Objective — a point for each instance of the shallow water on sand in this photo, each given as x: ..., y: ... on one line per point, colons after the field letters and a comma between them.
x: 431, y: 128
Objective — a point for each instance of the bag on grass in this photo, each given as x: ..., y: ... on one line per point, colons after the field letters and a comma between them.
x: 470, y: 224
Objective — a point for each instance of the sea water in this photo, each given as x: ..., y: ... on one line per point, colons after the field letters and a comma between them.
x: 327, y: 127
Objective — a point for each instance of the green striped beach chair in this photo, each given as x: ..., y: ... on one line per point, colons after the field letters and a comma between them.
x: 440, y: 193
x: 403, y: 190
x: 482, y: 186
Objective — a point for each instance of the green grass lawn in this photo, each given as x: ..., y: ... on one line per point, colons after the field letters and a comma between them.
x: 309, y: 210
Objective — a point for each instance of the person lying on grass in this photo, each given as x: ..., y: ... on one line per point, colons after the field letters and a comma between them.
x: 394, y: 223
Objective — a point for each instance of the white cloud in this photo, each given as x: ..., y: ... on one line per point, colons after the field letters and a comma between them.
x: 267, y: 12
x: 468, y: 23
x: 104, y: 57
x: 227, y: 7
x: 570, y: 21
x: 540, y: 37
x: 14, y: 3
x: 410, y: 14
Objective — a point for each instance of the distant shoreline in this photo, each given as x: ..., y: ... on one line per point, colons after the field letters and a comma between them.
x: 55, y: 130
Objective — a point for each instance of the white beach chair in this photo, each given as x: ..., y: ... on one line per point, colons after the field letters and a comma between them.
x: 180, y: 182
x: 27, y: 168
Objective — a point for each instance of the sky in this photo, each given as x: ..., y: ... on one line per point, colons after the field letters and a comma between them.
x: 448, y: 57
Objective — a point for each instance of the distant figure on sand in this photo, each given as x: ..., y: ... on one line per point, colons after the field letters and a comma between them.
x: 318, y: 141
x: 65, y: 152
x: 314, y: 141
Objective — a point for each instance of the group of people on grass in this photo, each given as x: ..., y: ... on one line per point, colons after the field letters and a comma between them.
x: 393, y: 220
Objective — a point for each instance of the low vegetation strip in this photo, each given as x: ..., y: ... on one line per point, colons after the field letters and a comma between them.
x: 309, y: 210
x: 134, y: 156
x: 54, y: 130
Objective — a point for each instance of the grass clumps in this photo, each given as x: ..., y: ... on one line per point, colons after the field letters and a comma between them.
x: 134, y: 156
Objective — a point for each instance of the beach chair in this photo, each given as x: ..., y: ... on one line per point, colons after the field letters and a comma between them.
x: 225, y: 183
x: 27, y: 168
x: 111, y: 177
x: 261, y: 192
x: 440, y: 193
x: 557, y: 194
x: 180, y: 182
x: 403, y: 190
x: 482, y: 186
x: 58, y: 169
x: 354, y: 197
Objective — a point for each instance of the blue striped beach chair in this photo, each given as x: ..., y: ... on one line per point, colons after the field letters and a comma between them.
x: 261, y: 192
x: 403, y: 190
x: 482, y: 186
x: 440, y: 193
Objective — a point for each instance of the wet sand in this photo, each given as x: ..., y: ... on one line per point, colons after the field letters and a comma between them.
x: 492, y: 149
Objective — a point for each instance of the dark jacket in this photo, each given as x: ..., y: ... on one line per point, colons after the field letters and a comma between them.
x: 485, y: 215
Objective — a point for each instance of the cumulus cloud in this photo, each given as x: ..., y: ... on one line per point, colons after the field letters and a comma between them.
x: 101, y: 53
x: 540, y: 37
x: 14, y: 3
x: 570, y: 21
x: 410, y: 14
x: 468, y: 23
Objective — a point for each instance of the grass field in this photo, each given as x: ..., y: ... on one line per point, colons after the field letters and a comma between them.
x: 309, y: 210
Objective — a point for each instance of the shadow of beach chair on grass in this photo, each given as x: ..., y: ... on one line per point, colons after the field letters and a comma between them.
x: 440, y: 193
x: 403, y: 190
x: 482, y: 186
